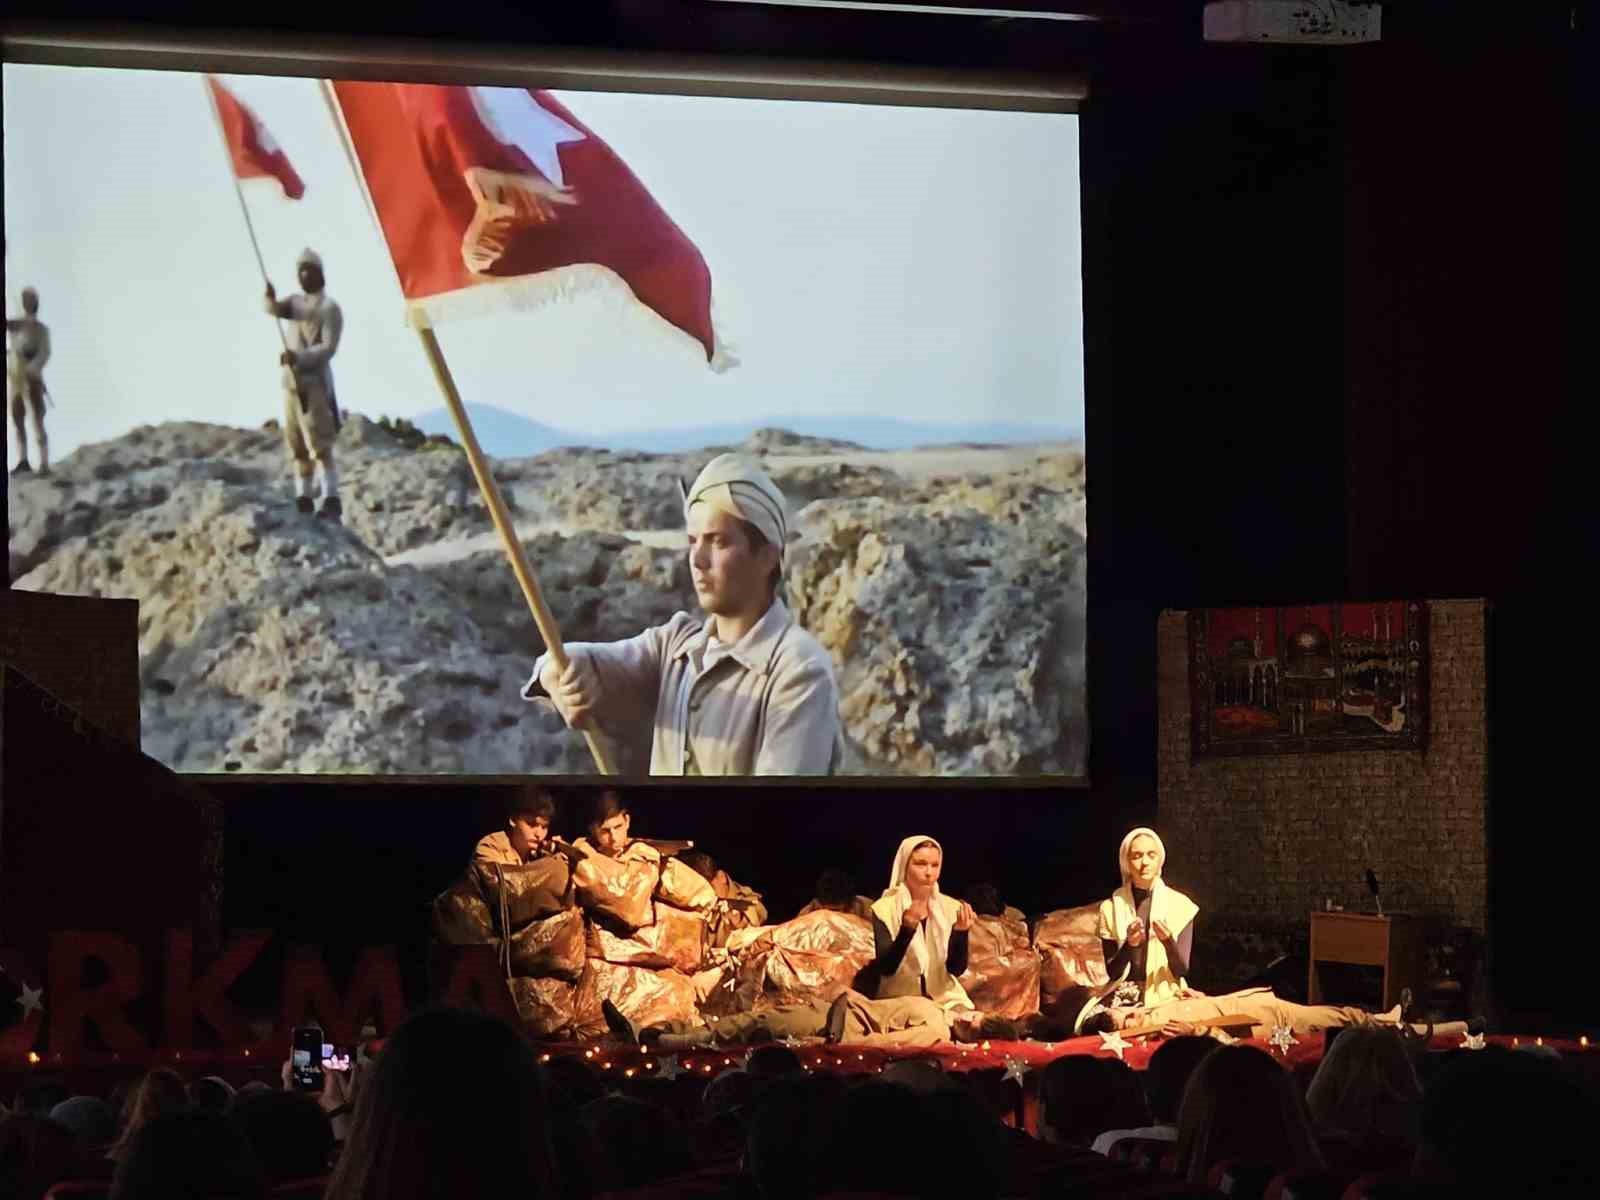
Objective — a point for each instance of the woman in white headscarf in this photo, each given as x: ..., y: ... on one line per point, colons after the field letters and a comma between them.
x: 921, y: 934
x: 1147, y: 927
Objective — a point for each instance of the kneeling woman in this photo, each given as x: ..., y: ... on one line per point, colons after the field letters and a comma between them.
x: 911, y: 991
x: 1147, y: 931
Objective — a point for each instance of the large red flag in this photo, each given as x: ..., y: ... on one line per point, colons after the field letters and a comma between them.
x: 500, y: 196
x: 254, y: 153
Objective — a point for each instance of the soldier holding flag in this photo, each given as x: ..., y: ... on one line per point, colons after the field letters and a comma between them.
x: 310, y: 409
x: 743, y: 690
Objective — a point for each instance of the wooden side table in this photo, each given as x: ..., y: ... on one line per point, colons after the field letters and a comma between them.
x: 1392, y: 942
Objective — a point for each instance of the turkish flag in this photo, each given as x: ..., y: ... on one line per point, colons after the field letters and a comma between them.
x: 255, y: 155
x: 491, y: 196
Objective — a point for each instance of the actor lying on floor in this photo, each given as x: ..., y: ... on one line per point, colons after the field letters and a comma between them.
x: 1147, y: 929
x: 908, y: 995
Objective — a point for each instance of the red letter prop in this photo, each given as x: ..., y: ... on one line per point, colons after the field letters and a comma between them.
x: 71, y: 1005
x: 308, y: 989
x: 208, y: 996
x: 479, y: 979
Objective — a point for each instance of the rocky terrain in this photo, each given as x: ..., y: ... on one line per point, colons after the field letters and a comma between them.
x: 948, y: 584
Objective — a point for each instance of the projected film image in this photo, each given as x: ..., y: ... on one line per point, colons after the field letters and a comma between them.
x: 781, y: 401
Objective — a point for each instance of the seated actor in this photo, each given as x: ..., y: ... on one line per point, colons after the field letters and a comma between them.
x: 836, y: 892
x: 1148, y: 929
x: 741, y: 691
x: 737, y: 906
x: 526, y: 836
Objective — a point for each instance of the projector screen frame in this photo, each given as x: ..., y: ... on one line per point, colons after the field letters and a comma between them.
x: 557, y: 68
x: 401, y: 60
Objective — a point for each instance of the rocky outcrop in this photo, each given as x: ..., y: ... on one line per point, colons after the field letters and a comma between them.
x: 947, y: 584
x: 956, y: 622
x: 275, y: 642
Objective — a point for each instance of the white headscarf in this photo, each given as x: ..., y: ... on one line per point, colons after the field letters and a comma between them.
x: 734, y: 484
x: 926, y: 957
x: 1167, y: 905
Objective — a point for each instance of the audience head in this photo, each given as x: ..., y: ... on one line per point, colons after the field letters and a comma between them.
x: 35, y: 1153
x: 1499, y: 1121
x: 289, y: 1133
x: 211, y: 1094
x: 918, y: 1075
x: 607, y: 822
x: 1366, y: 1085
x: 731, y: 1091
x: 454, y: 1106
x: 790, y: 1145
x: 1242, y: 1106
x: 644, y: 1141
x: 1081, y: 1097
x: 1168, y: 1074
x: 188, y: 1153
x: 159, y: 1092
x: 836, y: 890
x: 574, y: 1080
x: 773, y: 1061
x: 89, y: 1119
x: 38, y: 1096
x: 878, y: 1126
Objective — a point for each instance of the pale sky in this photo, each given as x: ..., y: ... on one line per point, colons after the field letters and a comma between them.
x: 913, y: 263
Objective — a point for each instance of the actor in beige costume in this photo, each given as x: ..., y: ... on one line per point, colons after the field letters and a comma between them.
x: 310, y: 407
x: 26, y: 357
x: 1145, y: 914
x: 526, y: 835
x: 742, y: 690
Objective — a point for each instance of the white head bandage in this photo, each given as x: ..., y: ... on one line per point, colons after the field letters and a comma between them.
x: 734, y: 484
x: 309, y: 258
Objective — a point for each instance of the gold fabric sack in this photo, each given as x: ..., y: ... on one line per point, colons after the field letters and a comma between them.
x: 551, y: 946
x: 1003, y: 968
x: 674, y: 939
x: 461, y: 915
x: 618, y: 889
x: 534, y: 890
x: 808, y: 960
x: 546, y: 1006
x: 1070, y: 951
x: 644, y: 996
x: 684, y: 887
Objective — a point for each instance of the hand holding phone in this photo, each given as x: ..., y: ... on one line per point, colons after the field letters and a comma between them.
x: 305, y: 1059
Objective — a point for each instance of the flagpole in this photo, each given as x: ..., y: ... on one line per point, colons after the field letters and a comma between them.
x: 249, y: 225
x: 543, y: 618
x: 549, y: 628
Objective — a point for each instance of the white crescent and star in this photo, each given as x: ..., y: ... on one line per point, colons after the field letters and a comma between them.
x: 514, y: 118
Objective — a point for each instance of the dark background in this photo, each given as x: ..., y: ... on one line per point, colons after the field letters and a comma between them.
x: 1332, y: 339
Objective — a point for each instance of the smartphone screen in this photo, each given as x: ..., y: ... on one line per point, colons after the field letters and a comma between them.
x: 305, y: 1059
x: 337, y: 1058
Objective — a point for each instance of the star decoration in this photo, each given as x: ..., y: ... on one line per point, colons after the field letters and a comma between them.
x: 32, y: 1000
x: 1016, y: 1068
x: 1473, y: 1041
x: 1283, y: 1037
x: 670, y: 1067
x: 1113, y: 1042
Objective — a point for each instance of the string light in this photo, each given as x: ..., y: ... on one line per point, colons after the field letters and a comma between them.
x: 542, y: 1057
x: 588, y: 1053
x: 605, y: 1066
x: 1538, y: 1041
x: 1583, y: 1042
x: 1515, y: 1042
x: 984, y: 1047
x: 628, y: 1073
x: 33, y: 1058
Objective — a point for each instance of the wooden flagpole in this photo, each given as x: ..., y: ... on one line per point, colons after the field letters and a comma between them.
x: 549, y: 628
x: 250, y: 226
x: 543, y: 618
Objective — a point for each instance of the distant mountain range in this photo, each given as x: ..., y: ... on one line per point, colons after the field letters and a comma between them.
x: 504, y: 434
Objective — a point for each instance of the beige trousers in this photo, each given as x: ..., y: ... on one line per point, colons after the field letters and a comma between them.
x: 906, y: 1021
x: 27, y: 400
x: 309, y: 434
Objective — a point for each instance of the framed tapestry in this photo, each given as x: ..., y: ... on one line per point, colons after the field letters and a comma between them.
x: 1308, y: 677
